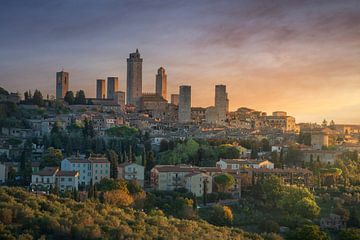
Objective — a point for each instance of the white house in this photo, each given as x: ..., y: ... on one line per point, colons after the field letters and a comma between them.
x: 131, y: 171
x: 67, y: 180
x: 197, y: 181
x: 235, y: 164
x: 51, y: 176
x: 91, y: 170
x: 45, y: 178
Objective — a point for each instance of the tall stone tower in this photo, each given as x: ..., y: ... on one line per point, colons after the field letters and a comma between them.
x: 221, y: 103
x: 134, y: 79
x: 185, y: 104
x: 100, y: 88
x: 112, y: 87
x: 161, y: 82
x: 62, y: 84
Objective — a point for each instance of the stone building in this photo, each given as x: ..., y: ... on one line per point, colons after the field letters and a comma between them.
x: 112, y: 87
x: 100, y: 88
x: 134, y: 78
x: 161, y: 83
x: 198, y: 115
x: 120, y: 98
x: 175, y: 99
x: 221, y: 103
x: 62, y: 84
x: 154, y: 104
x: 280, y: 120
x: 185, y: 104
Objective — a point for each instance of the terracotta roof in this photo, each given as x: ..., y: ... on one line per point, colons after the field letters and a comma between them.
x: 67, y: 173
x: 47, y: 171
x: 98, y: 160
x: 211, y: 169
x: 244, y: 161
x: 280, y: 170
x: 78, y: 160
x: 175, y: 168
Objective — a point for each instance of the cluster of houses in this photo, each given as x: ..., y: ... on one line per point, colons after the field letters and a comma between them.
x: 80, y: 171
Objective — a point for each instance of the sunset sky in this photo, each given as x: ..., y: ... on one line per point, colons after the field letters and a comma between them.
x: 299, y: 56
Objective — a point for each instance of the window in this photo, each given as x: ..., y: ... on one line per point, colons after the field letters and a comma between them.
x: 62, y: 179
x: 70, y: 179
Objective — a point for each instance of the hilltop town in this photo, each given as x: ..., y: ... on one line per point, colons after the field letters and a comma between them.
x: 158, y: 152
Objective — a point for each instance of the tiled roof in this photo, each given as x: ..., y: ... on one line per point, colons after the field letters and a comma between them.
x: 47, y: 171
x: 280, y: 170
x: 243, y: 161
x: 78, y: 160
x: 67, y: 173
x: 98, y: 160
x: 175, y: 168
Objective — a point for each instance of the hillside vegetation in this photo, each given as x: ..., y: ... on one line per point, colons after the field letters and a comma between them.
x: 24, y: 215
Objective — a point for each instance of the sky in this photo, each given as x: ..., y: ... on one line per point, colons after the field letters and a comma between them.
x: 300, y: 56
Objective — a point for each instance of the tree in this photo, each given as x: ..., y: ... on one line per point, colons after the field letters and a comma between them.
x: 228, y: 151
x: 164, y: 145
x: 80, y: 98
x: 51, y: 158
x: 312, y: 232
x: 269, y: 226
x: 265, y: 145
x: 349, y: 234
x: 113, y: 159
x: 88, y: 130
x: 220, y: 215
x: 69, y: 97
x: 38, y: 98
x: 224, y: 182
x: 354, y: 220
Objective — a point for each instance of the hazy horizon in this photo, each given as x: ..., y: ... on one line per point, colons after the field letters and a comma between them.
x: 302, y: 57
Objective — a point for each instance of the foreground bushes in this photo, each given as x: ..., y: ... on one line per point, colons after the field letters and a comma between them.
x: 24, y: 215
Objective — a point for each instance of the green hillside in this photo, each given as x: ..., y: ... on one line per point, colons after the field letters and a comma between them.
x: 25, y: 215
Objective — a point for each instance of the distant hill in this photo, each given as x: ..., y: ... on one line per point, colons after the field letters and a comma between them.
x: 24, y: 215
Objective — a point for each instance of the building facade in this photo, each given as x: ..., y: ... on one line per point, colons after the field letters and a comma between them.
x: 131, y: 171
x: 185, y: 104
x: 49, y: 177
x: 112, y: 87
x: 161, y: 83
x: 171, y: 177
x: 91, y: 169
x: 120, y: 98
x: 175, y: 99
x: 100, y: 88
x: 62, y: 84
x: 134, y: 78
